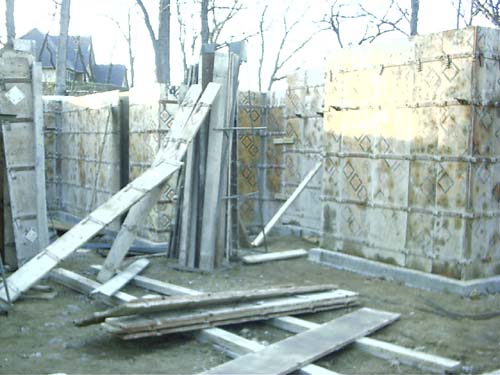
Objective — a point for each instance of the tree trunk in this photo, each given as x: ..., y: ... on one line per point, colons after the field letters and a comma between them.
x: 62, y: 48
x: 9, y: 22
x: 414, y: 17
x: 131, y: 56
x: 162, y: 45
x: 204, y: 22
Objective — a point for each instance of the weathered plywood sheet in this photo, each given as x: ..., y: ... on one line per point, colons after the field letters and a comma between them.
x: 412, y: 143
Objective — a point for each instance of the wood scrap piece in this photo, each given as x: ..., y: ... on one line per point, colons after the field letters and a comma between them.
x: 153, y: 305
x: 379, y: 349
x: 233, y: 344
x: 269, y: 257
x: 179, y: 321
x: 294, y: 352
x: 170, y: 157
x: 127, y: 233
x: 260, y: 238
x: 113, y: 285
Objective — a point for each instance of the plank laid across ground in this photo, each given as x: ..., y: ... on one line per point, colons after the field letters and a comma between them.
x: 170, y: 157
x: 260, y: 237
x: 113, y: 285
x: 377, y: 348
x: 231, y: 343
x: 152, y: 305
x: 269, y: 257
x: 128, y: 230
x: 181, y: 321
x: 294, y: 352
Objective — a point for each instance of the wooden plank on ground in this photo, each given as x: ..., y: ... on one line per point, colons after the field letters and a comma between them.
x: 128, y: 231
x: 269, y: 257
x: 230, y: 343
x: 294, y: 352
x: 260, y: 238
x: 379, y: 349
x: 410, y: 357
x: 121, y: 279
x: 153, y: 305
x: 158, y: 324
x: 170, y: 157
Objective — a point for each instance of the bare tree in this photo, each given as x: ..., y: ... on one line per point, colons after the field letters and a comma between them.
x: 9, y: 22
x: 285, y: 51
x: 415, y: 5
x: 126, y: 33
x: 60, y: 88
x: 373, y: 23
x: 204, y: 22
x: 465, y: 12
x: 490, y: 9
x: 161, y: 43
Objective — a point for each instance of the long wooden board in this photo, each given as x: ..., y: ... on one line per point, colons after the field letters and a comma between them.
x: 180, y: 321
x: 153, y: 305
x: 231, y: 344
x: 269, y: 257
x: 294, y: 352
x: 260, y: 238
x: 114, y: 284
x: 169, y: 163
x: 377, y: 348
x: 127, y: 233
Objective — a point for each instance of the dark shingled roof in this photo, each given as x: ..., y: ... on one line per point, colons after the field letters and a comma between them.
x: 75, y: 60
x: 114, y: 74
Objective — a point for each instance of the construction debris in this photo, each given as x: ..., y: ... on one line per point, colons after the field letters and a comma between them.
x: 269, y: 257
x: 181, y: 134
x: 140, y: 306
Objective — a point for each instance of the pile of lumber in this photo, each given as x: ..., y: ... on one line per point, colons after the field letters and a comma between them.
x: 160, y: 316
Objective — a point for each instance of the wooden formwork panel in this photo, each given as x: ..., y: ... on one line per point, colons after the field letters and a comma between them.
x: 412, y: 140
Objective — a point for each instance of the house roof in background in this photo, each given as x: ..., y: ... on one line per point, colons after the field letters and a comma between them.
x: 114, y: 74
x: 75, y: 60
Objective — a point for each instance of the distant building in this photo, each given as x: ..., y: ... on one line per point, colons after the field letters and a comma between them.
x: 80, y: 61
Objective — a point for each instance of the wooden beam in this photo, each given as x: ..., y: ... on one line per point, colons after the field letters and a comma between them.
x: 39, y: 137
x: 114, y: 284
x: 170, y: 157
x: 294, y: 352
x: 230, y: 343
x: 128, y: 231
x: 269, y: 257
x: 154, y: 305
x: 380, y: 349
x: 284, y: 141
x: 260, y: 238
x: 377, y: 348
x: 158, y: 324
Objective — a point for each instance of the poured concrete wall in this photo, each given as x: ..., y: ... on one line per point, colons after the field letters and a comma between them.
x: 412, y: 146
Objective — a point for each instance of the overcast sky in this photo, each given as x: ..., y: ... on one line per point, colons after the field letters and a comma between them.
x: 91, y: 18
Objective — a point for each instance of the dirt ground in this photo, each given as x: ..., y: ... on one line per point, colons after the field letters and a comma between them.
x: 38, y: 336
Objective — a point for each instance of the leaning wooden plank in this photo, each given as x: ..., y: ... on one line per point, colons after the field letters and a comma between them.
x: 170, y: 158
x: 230, y: 343
x: 167, y: 322
x: 128, y: 231
x: 153, y: 305
x: 380, y: 349
x: 41, y: 197
x: 219, y: 119
x: 114, y: 284
x: 269, y: 257
x: 260, y: 238
x: 84, y: 285
x: 294, y: 352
